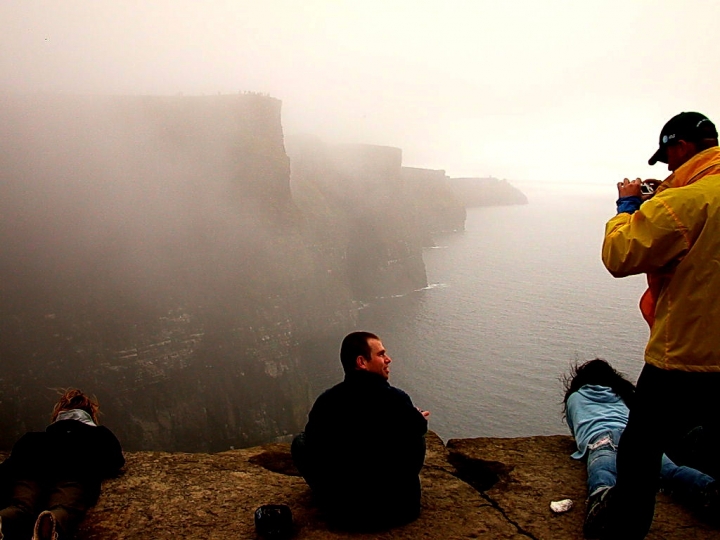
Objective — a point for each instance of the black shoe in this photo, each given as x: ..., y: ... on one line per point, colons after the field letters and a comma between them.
x: 596, y: 518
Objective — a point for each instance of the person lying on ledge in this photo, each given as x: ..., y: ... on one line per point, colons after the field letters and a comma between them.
x: 364, y: 443
x: 53, y: 477
x: 596, y: 408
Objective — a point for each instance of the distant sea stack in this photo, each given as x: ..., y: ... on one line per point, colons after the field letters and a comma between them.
x: 487, y: 191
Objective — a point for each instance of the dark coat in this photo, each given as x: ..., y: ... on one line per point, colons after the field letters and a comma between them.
x: 66, y: 450
x: 365, y: 447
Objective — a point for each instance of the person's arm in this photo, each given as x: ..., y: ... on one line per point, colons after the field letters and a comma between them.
x: 410, y: 420
x: 112, y: 459
x: 570, y: 413
x: 644, y: 241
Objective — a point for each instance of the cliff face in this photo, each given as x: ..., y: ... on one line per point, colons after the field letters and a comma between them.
x: 472, y: 488
x: 166, y: 254
x: 486, y: 192
x: 437, y: 208
x: 353, y: 200
x: 152, y: 254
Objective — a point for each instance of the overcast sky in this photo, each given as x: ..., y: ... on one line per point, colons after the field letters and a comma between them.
x: 524, y: 90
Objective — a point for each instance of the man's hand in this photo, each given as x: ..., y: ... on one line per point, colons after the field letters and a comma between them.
x: 629, y: 188
x: 654, y: 184
x: 426, y: 414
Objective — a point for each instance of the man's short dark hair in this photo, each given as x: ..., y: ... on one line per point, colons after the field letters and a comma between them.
x: 704, y: 144
x: 354, y: 345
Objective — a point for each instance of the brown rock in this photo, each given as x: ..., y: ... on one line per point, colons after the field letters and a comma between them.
x: 214, y: 496
x: 534, y: 471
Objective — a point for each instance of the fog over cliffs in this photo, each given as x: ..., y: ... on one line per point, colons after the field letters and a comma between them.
x: 181, y: 260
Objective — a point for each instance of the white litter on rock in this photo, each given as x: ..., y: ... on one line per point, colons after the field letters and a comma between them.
x: 561, y: 506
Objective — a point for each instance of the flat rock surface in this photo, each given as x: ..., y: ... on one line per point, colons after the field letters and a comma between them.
x: 472, y: 488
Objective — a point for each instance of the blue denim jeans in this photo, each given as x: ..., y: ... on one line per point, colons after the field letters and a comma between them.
x: 602, y: 453
x: 683, y: 483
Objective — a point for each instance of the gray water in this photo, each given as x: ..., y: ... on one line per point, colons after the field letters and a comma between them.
x: 512, y: 302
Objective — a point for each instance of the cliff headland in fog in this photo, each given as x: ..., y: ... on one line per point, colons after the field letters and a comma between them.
x: 181, y: 260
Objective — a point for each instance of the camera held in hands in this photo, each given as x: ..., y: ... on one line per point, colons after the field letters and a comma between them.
x: 647, y: 189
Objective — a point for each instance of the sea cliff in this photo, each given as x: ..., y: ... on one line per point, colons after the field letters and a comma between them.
x: 153, y: 255
x: 437, y: 207
x: 180, y: 259
x: 472, y: 488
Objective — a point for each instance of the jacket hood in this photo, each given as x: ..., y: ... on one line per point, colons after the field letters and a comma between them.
x: 599, y: 394
x: 68, y: 426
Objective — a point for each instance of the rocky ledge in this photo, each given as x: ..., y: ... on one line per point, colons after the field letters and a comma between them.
x: 472, y: 488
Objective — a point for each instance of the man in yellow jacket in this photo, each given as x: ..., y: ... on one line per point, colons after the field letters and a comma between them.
x: 674, y: 238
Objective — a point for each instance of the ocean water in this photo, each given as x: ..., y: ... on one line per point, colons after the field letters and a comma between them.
x: 512, y: 302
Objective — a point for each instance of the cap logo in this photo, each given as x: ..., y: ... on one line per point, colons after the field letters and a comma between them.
x: 667, y: 138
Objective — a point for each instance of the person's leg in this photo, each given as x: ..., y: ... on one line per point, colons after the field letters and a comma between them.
x: 666, y: 406
x: 631, y: 504
x: 601, y: 476
x: 298, y: 449
x: 302, y: 459
x: 18, y: 518
x: 601, y: 461
x: 416, y: 457
x: 697, y: 403
x: 699, y: 447
x: 685, y: 484
x: 707, y: 450
x: 68, y: 501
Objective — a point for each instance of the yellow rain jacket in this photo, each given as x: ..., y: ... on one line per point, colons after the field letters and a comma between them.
x: 675, y: 238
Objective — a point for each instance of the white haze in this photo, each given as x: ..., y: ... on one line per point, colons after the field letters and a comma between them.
x: 525, y: 90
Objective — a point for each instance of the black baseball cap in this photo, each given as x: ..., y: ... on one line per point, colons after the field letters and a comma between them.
x: 686, y: 126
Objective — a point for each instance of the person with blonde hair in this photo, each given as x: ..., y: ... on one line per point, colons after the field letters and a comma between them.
x: 53, y: 477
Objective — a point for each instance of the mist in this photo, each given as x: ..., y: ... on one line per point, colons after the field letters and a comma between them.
x: 144, y: 243
x: 155, y: 253
x: 163, y: 251
x: 534, y: 91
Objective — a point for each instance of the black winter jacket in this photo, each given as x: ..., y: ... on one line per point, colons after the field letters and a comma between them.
x: 365, y: 442
x: 66, y: 450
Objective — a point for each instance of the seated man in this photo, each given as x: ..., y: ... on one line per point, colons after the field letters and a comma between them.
x: 364, y: 443
x: 55, y: 475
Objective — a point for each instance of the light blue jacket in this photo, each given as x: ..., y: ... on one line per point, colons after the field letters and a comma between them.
x: 591, y: 411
